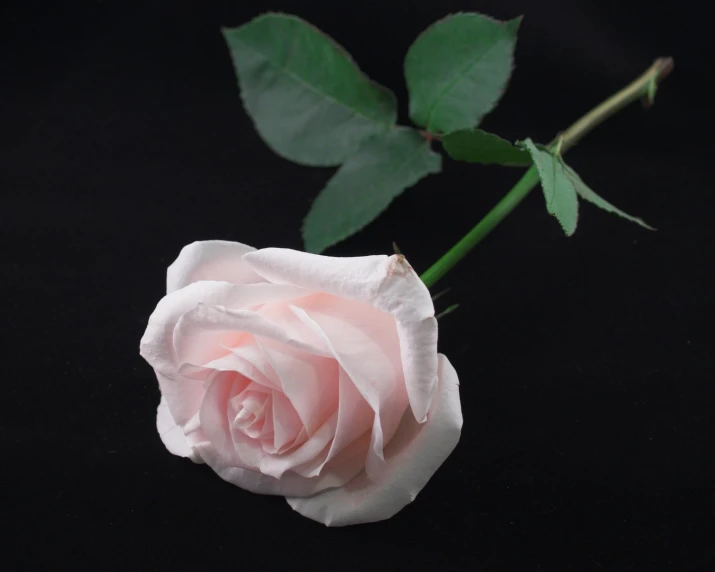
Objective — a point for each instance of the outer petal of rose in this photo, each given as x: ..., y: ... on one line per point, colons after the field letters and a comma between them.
x: 157, y: 345
x: 205, y: 332
x: 172, y: 435
x: 418, y: 348
x: 414, y: 454
x: 216, y: 260
x: 356, y: 278
x: 387, y: 283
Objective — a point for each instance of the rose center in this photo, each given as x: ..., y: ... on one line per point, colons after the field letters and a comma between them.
x: 250, y: 416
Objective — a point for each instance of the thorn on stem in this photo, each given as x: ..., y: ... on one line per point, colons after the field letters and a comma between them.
x: 446, y: 312
x: 438, y: 295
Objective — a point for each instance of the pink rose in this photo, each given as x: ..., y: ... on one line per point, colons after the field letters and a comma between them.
x: 307, y: 376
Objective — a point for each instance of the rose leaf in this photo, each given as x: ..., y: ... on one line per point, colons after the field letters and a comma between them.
x: 366, y: 184
x: 457, y: 70
x: 306, y: 96
x: 477, y: 146
x: 588, y: 194
x: 559, y: 192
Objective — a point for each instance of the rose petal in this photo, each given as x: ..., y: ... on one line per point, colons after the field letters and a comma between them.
x: 357, y: 278
x: 215, y: 260
x: 418, y: 348
x: 361, y: 347
x: 277, y: 465
x: 213, y: 423
x: 355, y: 417
x: 157, y: 344
x: 241, y: 360
x: 310, y: 382
x: 212, y: 439
x: 281, y: 314
x: 387, y: 283
x: 183, y: 397
x: 203, y: 333
x: 172, y: 435
x: 345, y: 467
x: 286, y: 423
x: 412, y: 457
x: 257, y: 366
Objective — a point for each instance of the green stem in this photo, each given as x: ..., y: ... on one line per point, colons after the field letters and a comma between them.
x: 642, y: 86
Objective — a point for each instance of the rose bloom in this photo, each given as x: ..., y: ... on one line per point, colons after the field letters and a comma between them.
x: 312, y: 377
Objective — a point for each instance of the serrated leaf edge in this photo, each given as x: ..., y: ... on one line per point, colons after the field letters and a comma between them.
x: 516, y: 22
x: 436, y: 169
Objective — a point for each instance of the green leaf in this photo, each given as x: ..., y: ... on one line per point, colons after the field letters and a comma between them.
x: 307, y: 98
x: 366, y: 184
x: 457, y: 70
x: 477, y: 146
x: 559, y: 191
x: 586, y: 193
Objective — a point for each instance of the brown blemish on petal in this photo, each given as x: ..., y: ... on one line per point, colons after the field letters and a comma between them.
x: 399, y: 266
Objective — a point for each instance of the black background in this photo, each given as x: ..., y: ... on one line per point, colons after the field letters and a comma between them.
x: 586, y: 364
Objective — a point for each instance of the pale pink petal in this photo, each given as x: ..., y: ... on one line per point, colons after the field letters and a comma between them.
x: 281, y: 314
x: 246, y: 445
x: 362, y: 344
x: 213, y: 423
x: 172, y: 435
x: 157, y: 344
x: 290, y: 484
x: 355, y: 417
x: 387, y: 283
x: 357, y: 278
x: 215, y: 260
x: 342, y: 470
x: 230, y: 446
x: 412, y: 457
x: 183, y: 397
x: 418, y: 347
x: 343, y: 467
x: 248, y: 360
x: 286, y: 423
x: 249, y: 410
x: 205, y: 332
x: 267, y: 435
x: 255, y: 366
x: 319, y: 441
x: 310, y: 382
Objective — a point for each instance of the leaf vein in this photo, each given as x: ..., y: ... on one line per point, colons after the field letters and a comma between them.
x: 454, y: 82
x: 309, y: 87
